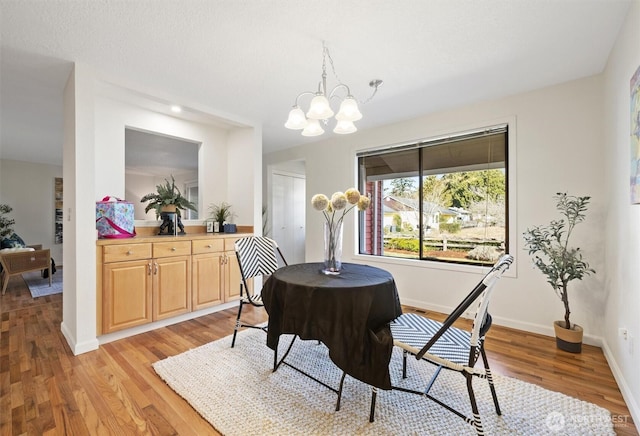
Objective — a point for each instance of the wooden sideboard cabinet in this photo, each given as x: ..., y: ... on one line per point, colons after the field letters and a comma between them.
x: 171, y: 294
x: 232, y: 277
x: 216, y: 274
x: 148, y: 279
x: 127, y: 282
x: 208, y: 273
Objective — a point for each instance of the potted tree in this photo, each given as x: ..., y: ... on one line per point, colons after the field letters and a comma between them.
x: 166, y: 200
x: 549, y: 247
x: 6, y: 224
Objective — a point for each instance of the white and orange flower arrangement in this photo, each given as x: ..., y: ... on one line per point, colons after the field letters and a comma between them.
x: 334, y: 210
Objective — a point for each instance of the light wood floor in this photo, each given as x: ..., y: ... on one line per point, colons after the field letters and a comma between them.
x: 45, y: 390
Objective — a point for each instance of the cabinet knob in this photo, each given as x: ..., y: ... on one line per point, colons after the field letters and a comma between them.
x: 173, y: 248
x: 129, y: 253
x: 208, y: 245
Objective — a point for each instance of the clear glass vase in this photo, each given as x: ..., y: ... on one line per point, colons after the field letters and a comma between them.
x: 332, y: 248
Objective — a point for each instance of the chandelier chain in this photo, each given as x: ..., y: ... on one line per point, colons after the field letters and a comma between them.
x: 375, y: 90
x: 333, y: 68
x: 375, y: 84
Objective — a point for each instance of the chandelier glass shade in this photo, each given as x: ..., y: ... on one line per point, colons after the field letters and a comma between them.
x: 320, y: 112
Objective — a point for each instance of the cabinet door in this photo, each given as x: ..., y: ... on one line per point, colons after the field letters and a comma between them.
x: 232, y: 278
x: 126, y: 295
x: 171, y: 286
x: 207, y: 274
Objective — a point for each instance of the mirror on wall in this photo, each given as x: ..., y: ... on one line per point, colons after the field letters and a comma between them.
x: 150, y: 158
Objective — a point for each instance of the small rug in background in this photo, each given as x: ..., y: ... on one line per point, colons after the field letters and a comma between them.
x: 39, y: 287
x: 235, y: 390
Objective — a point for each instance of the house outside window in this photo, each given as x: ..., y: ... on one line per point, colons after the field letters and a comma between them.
x: 442, y: 199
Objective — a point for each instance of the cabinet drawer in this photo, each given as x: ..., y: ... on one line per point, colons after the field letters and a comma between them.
x: 120, y: 252
x: 200, y: 246
x: 174, y: 248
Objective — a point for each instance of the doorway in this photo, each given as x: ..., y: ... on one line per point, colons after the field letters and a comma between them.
x: 288, y: 198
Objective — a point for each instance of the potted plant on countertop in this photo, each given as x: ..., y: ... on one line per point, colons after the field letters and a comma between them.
x: 221, y: 213
x: 166, y: 200
x: 549, y: 247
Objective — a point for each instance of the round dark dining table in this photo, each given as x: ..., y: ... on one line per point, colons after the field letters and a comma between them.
x: 350, y: 313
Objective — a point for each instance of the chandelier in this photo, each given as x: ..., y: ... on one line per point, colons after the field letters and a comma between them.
x: 320, y: 110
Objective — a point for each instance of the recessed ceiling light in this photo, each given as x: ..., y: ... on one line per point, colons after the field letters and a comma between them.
x: 176, y: 109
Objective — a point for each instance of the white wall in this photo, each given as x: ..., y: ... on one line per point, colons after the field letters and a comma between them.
x: 574, y: 137
x: 93, y: 167
x: 558, y: 142
x: 29, y: 189
x: 79, y: 296
x: 622, y: 242
x: 244, y: 176
x: 112, y: 116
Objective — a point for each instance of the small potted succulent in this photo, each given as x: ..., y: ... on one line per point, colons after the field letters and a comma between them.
x: 561, y: 263
x: 221, y: 213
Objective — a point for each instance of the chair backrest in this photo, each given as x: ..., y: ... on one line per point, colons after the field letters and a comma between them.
x: 257, y: 256
x: 482, y: 292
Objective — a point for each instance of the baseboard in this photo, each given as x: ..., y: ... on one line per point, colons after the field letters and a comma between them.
x: 110, y: 337
x: 626, y: 391
x: 542, y: 330
x: 505, y: 322
x: 77, y: 348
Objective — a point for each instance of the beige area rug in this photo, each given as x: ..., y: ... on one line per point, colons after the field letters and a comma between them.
x: 236, y: 391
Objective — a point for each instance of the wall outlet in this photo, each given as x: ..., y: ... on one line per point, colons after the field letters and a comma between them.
x: 623, y: 333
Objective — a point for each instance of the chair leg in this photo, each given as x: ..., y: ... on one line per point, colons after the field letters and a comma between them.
x: 405, y: 353
x: 374, y: 394
x: 275, y: 359
x: 344, y: 374
x: 487, y: 370
x: 477, y: 423
x: 235, y: 331
x: 5, y: 282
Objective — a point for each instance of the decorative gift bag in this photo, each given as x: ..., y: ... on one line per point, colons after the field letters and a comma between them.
x: 114, y: 218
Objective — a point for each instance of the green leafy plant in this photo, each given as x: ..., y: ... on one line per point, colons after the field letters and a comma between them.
x: 6, y: 224
x: 549, y: 247
x: 221, y: 212
x: 167, y: 194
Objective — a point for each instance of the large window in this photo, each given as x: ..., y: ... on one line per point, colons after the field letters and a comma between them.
x: 443, y: 199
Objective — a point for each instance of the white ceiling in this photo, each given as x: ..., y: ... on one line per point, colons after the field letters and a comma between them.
x: 251, y: 58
